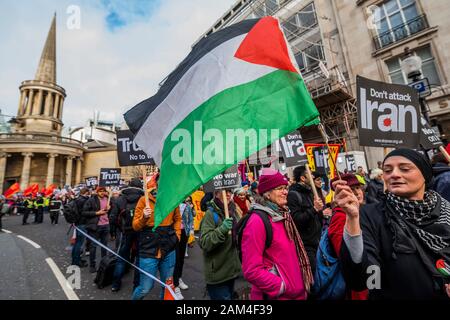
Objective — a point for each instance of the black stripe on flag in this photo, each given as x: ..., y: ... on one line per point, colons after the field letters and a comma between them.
x: 137, y: 116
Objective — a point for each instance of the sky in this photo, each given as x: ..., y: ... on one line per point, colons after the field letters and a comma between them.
x: 111, y: 54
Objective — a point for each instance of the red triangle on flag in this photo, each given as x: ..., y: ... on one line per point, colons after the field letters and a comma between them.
x: 265, y: 44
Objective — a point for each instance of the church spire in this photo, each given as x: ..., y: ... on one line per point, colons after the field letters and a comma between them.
x: 47, y: 65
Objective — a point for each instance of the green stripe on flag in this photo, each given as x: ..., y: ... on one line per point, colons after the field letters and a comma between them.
x: 278, y: 100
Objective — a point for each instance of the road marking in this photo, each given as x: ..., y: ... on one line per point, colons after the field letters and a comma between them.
x: 6, y: 231
x: 71, y: 295
x: 34, y: 244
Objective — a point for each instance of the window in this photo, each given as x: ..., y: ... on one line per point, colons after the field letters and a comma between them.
x: 307, y: 17
x: 265, y: 8
x: 428, y: 68
x: 397, y: 20
x: 310, y: 57
x: 301, y: 22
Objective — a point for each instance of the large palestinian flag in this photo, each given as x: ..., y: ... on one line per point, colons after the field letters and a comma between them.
x: 241, y: 80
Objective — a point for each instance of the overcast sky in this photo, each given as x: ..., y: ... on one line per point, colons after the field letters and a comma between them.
x: 117, y: 57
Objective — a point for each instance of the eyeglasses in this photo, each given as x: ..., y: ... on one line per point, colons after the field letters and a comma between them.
x: 281, y: 188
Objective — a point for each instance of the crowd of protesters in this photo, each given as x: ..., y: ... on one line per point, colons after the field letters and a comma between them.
x: 395, y: 221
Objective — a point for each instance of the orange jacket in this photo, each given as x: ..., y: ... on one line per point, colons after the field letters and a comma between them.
x: 139, y: 222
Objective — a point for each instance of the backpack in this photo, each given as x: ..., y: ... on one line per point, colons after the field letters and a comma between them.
x: 241, y: 226
x: 125, y: 218
x: 70, y: 212
x: 329, y: 283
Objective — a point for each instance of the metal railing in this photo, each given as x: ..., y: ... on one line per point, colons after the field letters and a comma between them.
x: 36, y: 137
x: 401, y: 32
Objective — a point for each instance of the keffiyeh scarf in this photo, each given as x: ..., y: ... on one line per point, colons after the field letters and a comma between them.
x: 421, y: 225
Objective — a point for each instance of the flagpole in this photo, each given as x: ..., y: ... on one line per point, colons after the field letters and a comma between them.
x: 325, y: 138
x: 144, y: 177
x: 311, y: 181
x: 225, y: 205
x: 109, y: 196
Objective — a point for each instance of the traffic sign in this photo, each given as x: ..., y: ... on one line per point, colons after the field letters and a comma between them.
x: 422, y: 86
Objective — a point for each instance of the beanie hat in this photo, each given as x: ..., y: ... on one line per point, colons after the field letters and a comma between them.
x: 418, y: 159
x: 270, y: 179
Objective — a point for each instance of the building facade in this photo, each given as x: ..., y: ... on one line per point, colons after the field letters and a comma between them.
x: 35, y: 150
x: 333, y: 41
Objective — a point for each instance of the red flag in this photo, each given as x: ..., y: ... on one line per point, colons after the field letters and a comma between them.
x: 49, y: 190
x: 12, y: 190
x: 33, y: 189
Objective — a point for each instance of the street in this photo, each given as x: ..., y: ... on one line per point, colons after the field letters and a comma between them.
x: 27, y: 274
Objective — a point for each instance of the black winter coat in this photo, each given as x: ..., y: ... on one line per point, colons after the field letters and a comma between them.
x: 306, y: 218
x: 80, y: 201
x: 374, y: 191
x: 402, y: 275
x: 90, y: 208
x: 126, y: 204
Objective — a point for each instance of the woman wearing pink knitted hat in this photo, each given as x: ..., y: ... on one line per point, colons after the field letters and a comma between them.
x: 280, y: 270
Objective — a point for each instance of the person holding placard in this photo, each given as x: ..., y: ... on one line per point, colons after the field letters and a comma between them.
x: 96, y: 209
x: 156, y: 247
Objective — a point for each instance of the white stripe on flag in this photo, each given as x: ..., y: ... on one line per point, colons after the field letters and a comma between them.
x: 216, y: 71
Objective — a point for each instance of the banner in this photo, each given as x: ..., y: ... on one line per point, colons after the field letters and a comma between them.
x: 229, y: 179
x: 128, y: 152
x: 91, y: 181
x: 293, y: 149
x: 428, y: 137
x: 314, y: 150
x: 109, y: 177
x: 350, y: 162
x: 388, y: 114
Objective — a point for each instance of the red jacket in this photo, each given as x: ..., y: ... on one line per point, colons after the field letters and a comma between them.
x: 335, y: 234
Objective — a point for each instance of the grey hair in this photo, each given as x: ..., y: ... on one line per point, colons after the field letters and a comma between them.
x: 375, y: 173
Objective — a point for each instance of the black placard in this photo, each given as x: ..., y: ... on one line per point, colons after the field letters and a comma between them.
x: 229, y: 179
x: 428, y: 137
x: 109, y: 177
x: 293, y: 149
x: 91, y: 181
x: 388, y: 114
x: 128, y: 152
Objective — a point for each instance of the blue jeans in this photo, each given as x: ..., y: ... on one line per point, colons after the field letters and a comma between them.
x: 76, y: 250
x: 152, y: 265
x: 221, y: 291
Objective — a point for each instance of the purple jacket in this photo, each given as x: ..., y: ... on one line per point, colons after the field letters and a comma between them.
x: 266, y: 269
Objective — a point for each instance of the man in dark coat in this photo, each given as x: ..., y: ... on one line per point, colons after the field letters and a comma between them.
x: 307, y: 213
x: 124, y: 211
x: 80, y: 224
x: 96, y: 211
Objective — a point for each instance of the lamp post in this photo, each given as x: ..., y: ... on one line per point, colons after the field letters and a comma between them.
x: 411, y: 65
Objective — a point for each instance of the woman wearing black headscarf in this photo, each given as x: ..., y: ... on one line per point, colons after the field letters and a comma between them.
x: 398, y: 248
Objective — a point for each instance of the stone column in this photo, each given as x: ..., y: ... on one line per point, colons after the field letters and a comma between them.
x: 48, y: 101
x: 78, y: 171
x: 30, y: 102
x: 3, y: 157
x: 21, y: 109
x: 56, y: 106
x: 60, y: 107
x: 69, y: 170
x: 50, y: 168
x: 37, y: 105
x: 25, y: 178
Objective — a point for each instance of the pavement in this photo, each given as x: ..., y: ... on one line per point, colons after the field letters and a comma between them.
x: 35, y: 260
